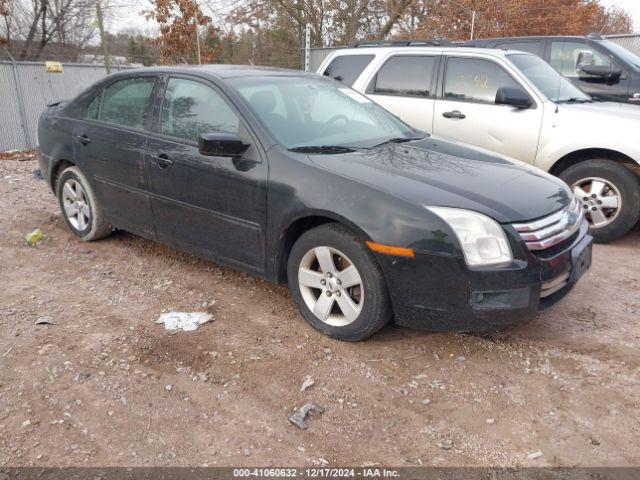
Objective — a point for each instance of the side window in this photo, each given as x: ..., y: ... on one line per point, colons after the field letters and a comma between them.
x: 475, y: 80
x: 529, y: 47
x: 125, y: 102
x: 568, y: 57
x: 93, y: 109
x: 347, y: 68
x: 191, y: 108
x: 408, y: 75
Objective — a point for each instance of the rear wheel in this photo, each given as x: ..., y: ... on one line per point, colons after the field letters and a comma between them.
x: 610, y: 196
x: 337, y: 283
x: 80, y: 208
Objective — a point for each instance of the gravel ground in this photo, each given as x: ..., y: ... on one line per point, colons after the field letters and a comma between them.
x: 105, y: 385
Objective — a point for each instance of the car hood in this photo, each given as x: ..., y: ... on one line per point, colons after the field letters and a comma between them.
x: 611, y: 111
x: 436, y: 172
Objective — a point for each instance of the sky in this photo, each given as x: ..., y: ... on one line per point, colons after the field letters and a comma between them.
x: 127, y: 13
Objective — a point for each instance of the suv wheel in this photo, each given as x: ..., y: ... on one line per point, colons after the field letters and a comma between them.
x: 610, y: 196
x: 80, y: 208
x: 337, y: 283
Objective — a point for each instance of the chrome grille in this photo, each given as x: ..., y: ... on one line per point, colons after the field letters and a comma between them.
x: 549, y: 231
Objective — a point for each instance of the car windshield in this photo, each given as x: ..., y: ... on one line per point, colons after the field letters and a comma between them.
x: 306, y: 111
x: 553, y: 85
x: 627, y: 56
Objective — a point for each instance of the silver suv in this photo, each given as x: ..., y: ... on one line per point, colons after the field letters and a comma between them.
x: 512, y: 103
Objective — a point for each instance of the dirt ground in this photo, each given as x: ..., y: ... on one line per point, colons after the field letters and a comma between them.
x: 105, y: 385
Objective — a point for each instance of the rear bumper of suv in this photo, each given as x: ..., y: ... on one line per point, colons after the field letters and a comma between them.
x: 439, y: 292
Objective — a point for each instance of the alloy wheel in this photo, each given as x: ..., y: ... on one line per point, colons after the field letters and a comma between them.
x: 331, y: 286
x: 76, y: 205
x: 601, y: 200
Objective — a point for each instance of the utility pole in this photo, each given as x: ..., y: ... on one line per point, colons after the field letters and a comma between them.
x: 198, y: 40
x: 103, y: 38
x: 473, y: 22
x: 307, y: 46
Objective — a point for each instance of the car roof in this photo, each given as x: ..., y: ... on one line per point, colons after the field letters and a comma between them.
x: 486, y: 41
x: 220, y: 71
x: 411, y: 49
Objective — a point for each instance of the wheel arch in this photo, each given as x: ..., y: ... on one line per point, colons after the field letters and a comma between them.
x: 297, y: 227
x: 56, y: 169
x: 581, y: 155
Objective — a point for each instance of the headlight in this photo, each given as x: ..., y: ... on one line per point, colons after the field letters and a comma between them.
x: 482, y: 239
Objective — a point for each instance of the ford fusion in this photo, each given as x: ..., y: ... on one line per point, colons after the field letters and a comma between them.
x: 298, y: 179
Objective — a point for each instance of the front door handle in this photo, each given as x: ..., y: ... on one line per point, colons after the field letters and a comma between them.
x: 83, y: 139
x: 454, y: 114
x: 162, y: 160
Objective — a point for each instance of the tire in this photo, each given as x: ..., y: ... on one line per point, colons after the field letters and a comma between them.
x: 368, y: 307
x: 619, y: 182
x: 75, y: 195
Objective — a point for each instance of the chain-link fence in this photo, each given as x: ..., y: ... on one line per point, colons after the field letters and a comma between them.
x: 25, y: 90
x: 631, y: 41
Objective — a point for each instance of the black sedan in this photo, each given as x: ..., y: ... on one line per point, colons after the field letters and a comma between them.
x: 296, y: 178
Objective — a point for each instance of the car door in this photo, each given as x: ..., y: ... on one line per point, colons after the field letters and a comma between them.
x: 110, y: 141
x: 567, y: 57
x: 213, y: 206
x: 466, y: 110
x: 405, y: 85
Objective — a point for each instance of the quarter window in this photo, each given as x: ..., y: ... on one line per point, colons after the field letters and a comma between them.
x: 93, y: 109
x: 347, y: 68
x: 191, y: 109
x: 568, y: 57
x: 125, y: 102
x: 476, y: 80
x: 406, y: 76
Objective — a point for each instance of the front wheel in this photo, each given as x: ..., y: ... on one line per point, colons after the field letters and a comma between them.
x: 337, y: 283
x: 610, y: 196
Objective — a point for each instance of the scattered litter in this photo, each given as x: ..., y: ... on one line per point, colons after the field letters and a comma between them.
x: 299, y: 418
x: 534, y: 455
x: 168, y: 387
x: 185, y: 321
x: 38, y: 174
x: 45, y: 321
x: 308, y: 382
x: 491, y: 421
x: 34, y: 237
x: 426, y: 401
x: 446, y: 444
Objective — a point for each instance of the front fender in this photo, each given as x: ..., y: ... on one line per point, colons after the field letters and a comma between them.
x: 374, y: 215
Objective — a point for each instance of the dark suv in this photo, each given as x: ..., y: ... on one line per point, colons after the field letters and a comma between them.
x: 599, y: 67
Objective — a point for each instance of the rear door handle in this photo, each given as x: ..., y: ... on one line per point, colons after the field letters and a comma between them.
x: 454, y: 114
x: 162, y: 160
x: 83, y: 139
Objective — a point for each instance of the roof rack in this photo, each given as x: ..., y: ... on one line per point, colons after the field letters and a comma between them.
x: 402, y: 43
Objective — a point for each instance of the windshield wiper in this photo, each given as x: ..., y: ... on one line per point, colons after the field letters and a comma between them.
x: 575, y: 100
x: 330, y: 149
x: 397, y: 140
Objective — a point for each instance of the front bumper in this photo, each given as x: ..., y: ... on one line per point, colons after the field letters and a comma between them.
x: 439, y: 292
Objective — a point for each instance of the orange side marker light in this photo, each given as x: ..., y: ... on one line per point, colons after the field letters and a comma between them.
x: 390, y: 250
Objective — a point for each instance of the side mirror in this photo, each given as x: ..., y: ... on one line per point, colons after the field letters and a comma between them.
x: 584, y: 58
x: 610, y: 74
x: 514, y: 96
x: 221, y: 144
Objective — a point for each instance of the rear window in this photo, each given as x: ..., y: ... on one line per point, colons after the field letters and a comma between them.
x: 347, y: 68
x: 408, y: 75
